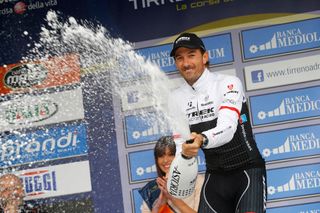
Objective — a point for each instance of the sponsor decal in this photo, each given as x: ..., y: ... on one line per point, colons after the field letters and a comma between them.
x: 17, y: 113
x: 219, y: 48
x: 179, y: 5
x: 280, y: 39
x: 31, y: 111
x: 56, y: 71
x: 142, y: 96
x: 142, y: 165
x: 289, y: 143
x: 281, y: 73
x: 52, y: 181
x: 302, y: 208
x: 137, y: 200
x: 145, y: 128
x: 39, y: 182
x: 43, y: 145
x: 21, y: 7
x: 285, y: 106
x: 293, y: 181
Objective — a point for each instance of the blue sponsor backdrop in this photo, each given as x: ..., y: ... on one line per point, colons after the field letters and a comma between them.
x: 141, y: 129
x: 142, y: 165
x: 219, y: 48
x: 293, y: 181
x: 289, y: 143
x: 137, y: 200
x: 279, y: 39
x: 304, y: 208
x: 53, y: 143
x: 285, y: 106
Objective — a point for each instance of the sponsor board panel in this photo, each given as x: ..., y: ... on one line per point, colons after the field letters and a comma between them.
x: 142, y: 95
x: 145, y: 128
x: 142, y: 165
x: 281, y: 39
x: 285, y: 106
x: 295, y: 181
x: 227, y: 72
x: 303, y: 208
x: 43, y: 145
x: 282, y: 73
x: 31, y: 111
x: 289, y: 143
x: 56, y: 71
x: 137, y: 201
x: 58, y: 180
x: 219, y: 48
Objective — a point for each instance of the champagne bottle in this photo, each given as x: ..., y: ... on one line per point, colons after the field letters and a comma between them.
x: 182, y: 175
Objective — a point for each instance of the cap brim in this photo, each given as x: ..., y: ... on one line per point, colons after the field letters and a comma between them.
x: 173, y: 51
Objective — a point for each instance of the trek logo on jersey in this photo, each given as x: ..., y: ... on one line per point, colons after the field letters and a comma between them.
x: 285, y: 106
x: 39, y: 182
x: 257, y: 76
x: 20, y: 113
x: 283, y: 38
x: 201, y: 114
x: 293, y: 181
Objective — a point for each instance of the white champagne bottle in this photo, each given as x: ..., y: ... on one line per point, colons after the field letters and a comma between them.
x: 182, y: 174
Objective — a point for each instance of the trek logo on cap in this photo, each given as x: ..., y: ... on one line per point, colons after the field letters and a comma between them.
x: 182, y: 39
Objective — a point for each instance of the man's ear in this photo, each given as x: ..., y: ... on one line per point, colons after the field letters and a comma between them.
x: 205, y: 57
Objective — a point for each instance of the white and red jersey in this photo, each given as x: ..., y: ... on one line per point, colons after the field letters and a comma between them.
x: 215, y: 105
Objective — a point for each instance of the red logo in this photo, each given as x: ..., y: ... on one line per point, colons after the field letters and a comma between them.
x: 20, y: 7
x: 230, y: 86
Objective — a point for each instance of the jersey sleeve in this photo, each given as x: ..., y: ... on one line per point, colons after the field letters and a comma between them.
x: 232, y: 93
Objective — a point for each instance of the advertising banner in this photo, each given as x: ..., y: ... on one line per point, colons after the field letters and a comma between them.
x: 142, y: 165
x: 282, y: 73
x: 43, y: 145
x: 289, y: 144
x: 56, y: 71
x: 52, y: 181
x: 303, y: 208
x: 30, y: 111
x: 143, y: 94
x: 285, y: 106
x: 281, y: 39
x: 291, y: 182
x: 219, y: 48
x: 136, y: 201
x: 145, y: 128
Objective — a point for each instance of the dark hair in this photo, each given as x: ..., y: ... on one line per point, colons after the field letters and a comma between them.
x: 160, y: 150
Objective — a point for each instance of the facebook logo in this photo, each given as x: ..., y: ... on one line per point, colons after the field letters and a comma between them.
x: 257, y: 76
x: 132, y: 97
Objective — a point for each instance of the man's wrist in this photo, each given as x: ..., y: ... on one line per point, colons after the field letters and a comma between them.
x: 205, y: 140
